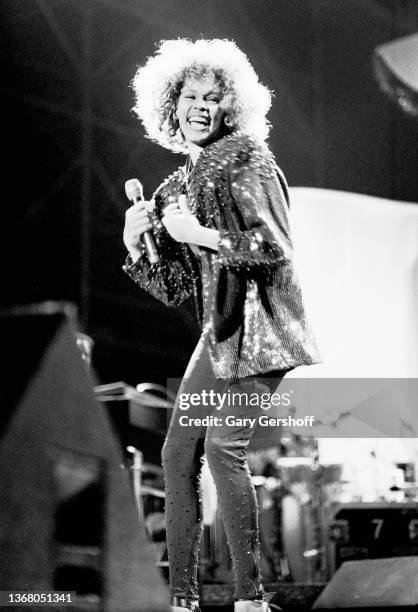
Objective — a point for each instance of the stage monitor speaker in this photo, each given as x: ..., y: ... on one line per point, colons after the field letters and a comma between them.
x: 68, y: 519
x: 383, y: 584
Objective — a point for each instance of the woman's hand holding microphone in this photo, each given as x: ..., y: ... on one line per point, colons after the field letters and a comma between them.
x: 178, y: 220
x: 137, y: 221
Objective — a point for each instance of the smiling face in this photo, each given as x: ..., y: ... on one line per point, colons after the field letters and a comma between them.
x: 199, y: 111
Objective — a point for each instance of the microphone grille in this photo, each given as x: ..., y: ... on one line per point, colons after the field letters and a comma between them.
x: 133, y: 189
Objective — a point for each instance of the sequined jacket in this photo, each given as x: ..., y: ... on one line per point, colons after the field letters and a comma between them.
x: 247, y: 293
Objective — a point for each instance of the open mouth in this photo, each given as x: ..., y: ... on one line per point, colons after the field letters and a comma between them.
x: 199, y: 122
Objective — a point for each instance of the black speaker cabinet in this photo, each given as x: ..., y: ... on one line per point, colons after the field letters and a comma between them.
x: 68, y: 520
x: 374, y: 531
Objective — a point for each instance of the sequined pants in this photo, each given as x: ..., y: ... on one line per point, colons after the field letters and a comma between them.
x: 225, y: 448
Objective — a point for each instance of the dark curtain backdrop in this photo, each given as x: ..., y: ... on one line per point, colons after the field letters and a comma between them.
x: 70, y: 141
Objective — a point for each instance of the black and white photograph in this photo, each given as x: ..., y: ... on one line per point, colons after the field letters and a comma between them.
x: 209, y: 311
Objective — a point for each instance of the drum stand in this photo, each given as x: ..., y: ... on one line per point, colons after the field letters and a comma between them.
x: 136, y: 468
x: 317, y: 552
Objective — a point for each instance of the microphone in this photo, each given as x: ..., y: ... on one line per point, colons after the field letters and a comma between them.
x: 135, y: 193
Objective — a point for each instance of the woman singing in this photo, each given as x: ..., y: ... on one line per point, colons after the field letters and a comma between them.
x: 222, y: 231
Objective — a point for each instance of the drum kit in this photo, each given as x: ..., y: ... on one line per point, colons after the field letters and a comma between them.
x: 294, y: 508
x: 296, y: 496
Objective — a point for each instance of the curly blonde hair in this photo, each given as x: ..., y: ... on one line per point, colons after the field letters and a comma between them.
x: 157, y: 86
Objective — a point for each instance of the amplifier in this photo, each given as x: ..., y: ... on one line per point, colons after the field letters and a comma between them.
x: 374, y: 531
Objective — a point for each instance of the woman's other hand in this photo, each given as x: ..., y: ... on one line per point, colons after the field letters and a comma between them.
x: 180, y: 223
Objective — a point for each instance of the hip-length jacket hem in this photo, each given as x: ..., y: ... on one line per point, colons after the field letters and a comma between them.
x: 247, y: 293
